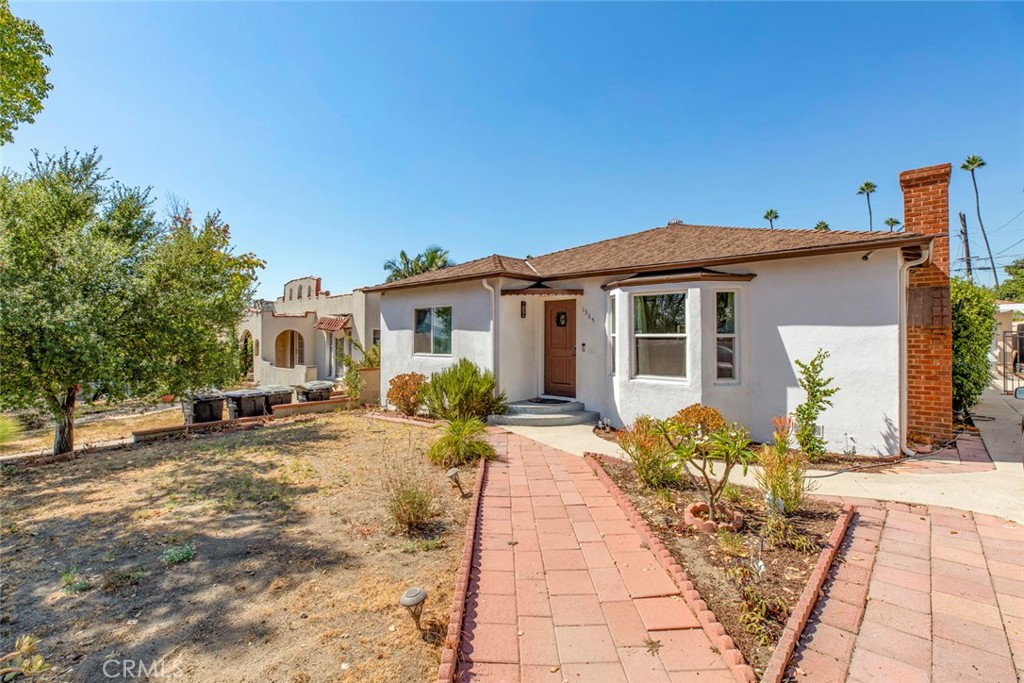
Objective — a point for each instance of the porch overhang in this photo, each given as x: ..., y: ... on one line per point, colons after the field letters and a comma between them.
x: 540, y: 289
x: 332, y: 323
x: 699, y: 275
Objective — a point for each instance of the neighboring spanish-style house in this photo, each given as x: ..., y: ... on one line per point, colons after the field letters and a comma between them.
x: 654, y: 321
x: 296, y: 338
x: 1007, y: 348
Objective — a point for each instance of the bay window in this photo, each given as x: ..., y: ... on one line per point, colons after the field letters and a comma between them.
x: 725, y: 335
x: 659, y: 335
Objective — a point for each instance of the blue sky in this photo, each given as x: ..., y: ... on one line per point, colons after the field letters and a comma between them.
x: 333, y: 135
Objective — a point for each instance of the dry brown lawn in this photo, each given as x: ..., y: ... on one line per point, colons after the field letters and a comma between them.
x: 297, y: 568
x: 95, y: 429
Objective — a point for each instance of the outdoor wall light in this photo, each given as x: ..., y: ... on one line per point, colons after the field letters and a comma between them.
x: 413, y: 600
x: 453, y: 474
x: 522, y: 309
x: 866, y: 256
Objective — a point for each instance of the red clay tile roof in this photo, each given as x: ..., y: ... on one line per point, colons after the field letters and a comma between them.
x: 669, y: 247
x: 332, y: 323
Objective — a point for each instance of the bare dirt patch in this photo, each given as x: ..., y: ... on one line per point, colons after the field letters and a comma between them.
x: 296, y: 572
x: 706, y: 562
x: 97, y: 427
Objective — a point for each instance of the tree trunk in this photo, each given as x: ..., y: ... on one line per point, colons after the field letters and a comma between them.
x: 984, y: 236
x: 64, y: 434
x: 871, y: 222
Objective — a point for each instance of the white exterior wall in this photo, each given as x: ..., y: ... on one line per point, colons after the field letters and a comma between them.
x: 472, y: 310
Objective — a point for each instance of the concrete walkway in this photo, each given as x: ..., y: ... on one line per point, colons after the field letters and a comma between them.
x: 998, y: 492
x: 562, y: 587
x: 919, y: 595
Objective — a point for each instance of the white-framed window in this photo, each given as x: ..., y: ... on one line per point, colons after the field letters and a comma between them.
x: 726, y: 348
x: 612, y: 322
x: 659, y: 335
x: 432, y: 331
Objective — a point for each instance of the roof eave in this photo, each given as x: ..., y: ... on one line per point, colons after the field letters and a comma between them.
x: 894, y: 243
x: 391, y: 286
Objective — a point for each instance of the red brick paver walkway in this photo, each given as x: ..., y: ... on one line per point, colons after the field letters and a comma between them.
x: 563, y: 588
x: 919, y: 594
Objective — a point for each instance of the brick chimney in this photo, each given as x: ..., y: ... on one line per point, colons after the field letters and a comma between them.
x: 929, y: 321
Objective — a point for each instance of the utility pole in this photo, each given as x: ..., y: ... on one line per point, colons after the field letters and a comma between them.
x: 967, y: 246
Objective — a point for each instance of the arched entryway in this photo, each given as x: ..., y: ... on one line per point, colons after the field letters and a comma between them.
x: 289, y: 349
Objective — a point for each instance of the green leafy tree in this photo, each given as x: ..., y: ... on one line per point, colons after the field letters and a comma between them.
x: 403, y: 266
x: 974, y: 322
x: 821, y: 225
x: 23, y: 71
x: 867, y: 189
x: 819, y: 392
x: 972, y: 164
x: 1012, y: 288
x: 771, y: 215
x: 892, y: 223
x: 99, y: 295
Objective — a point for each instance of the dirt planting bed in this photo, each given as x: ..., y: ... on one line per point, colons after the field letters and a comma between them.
x: 288, y: 566
x: 711, y: 564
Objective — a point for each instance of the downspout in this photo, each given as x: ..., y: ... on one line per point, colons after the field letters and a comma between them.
x: 494, y: 331
x: 926, y: 253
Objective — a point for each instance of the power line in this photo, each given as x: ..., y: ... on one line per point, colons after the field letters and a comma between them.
x: 1010, y: 221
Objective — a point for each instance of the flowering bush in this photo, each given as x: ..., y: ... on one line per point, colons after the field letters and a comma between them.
x: 781, y: 477
x: 404, y: 392
x: 653, y: 460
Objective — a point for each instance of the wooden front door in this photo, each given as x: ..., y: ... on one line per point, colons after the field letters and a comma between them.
x: 560, y: 348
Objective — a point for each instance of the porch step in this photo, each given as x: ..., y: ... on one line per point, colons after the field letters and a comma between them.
x: 530, y: 408
x: 527, y: 414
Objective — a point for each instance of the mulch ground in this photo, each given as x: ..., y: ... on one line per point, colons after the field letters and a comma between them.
x: 706, y: 563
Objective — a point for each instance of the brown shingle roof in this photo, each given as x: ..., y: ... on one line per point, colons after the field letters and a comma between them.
x: 669, y: 247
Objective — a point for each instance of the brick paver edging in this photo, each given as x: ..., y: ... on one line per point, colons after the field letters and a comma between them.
x: 776, y: 668
x: 712, y: 627
x: 449, y: 655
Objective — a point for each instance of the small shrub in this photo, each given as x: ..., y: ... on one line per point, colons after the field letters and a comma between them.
x: 404, y: 392
x: 73, y: 583
x: 463, y: 442
x: 819, y: 396
x: 731, y: 543
x: 653, y: 460
x: 759, y: 613
x: 782, y: 474
x: 409, y: 494
x: 732, y: 493
x: 113, y: 579
x: 24, y: 661
x: 10, y: 429
x: 974, y: 321
x: 353, y: 382
x: 703, y: 421
x: 783, y: 534
x: 729, y: 445
x: 179, y: 554
x: 463, y: 390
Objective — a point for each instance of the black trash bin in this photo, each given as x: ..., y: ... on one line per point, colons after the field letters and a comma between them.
x: 317, y: 390
x: 277, y: 394
x: 246, y: 403
x: 204, y: 406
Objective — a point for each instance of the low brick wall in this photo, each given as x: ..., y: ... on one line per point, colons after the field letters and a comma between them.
x: 776, y: 669
x: 449, y: 655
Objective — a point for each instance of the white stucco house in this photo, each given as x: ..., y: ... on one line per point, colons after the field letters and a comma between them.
x: 656, y: 320
x: 295, y: 338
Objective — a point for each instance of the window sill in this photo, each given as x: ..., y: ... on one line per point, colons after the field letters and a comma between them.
x: 656, y: 379
x: 432, y: 355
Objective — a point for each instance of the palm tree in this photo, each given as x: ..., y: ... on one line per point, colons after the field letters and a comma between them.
x: 973, y: 163
x: 821, y: 225
x: 892, y: 223
x: 433, y: 258
x: 867, y: 189
x: 771, y: 215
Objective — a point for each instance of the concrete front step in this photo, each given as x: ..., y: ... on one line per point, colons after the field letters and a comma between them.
x: 528, y: 408
x: 577, y: 417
